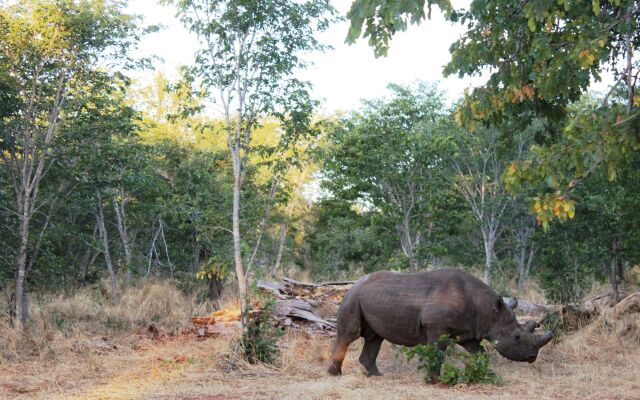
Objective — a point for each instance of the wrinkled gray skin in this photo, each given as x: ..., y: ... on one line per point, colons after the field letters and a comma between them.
x: 410, y: 309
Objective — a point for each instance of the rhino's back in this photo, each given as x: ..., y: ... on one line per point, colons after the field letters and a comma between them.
x: 406, y: 308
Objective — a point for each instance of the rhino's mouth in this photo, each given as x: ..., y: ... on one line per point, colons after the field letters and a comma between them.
x: 531, y: 358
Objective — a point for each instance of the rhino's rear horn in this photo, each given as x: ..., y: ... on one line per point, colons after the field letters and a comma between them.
x: 530, y: 325
x: 544, y: 339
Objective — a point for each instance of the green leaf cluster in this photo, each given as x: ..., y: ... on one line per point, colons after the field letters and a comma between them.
x: 439, y: 360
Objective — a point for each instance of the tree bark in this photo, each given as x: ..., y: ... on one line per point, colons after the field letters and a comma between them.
x: 215, y: 288
x: 105, y: 243
x: 283, y: 237
x: 629, y: 70
x: 527, y: 271
x: 194, y: 267
x: 22, y: 314
x: 119, y: 210
x: 613, y: 269
x: 237, y: 244
x: 524, y: 251
x: 489, y: 240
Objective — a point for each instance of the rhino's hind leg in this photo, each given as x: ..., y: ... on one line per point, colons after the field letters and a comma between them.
x: 339, y: 352
x: 348, y: 331
x: 370, y: 354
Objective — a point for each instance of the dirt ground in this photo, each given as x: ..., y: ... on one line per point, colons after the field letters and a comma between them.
x: 187, y: 368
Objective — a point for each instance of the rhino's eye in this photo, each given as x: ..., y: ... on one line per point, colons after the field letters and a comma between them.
x: 517, y: 336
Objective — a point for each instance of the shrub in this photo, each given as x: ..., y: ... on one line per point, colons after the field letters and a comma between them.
x: 552, y: 322
x: 443, y: 355
x: 259, y: 337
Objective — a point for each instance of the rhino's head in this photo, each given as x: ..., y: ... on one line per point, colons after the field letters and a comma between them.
x: 516, y: 341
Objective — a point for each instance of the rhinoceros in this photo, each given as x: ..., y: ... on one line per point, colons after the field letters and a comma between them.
x: 414, y: 308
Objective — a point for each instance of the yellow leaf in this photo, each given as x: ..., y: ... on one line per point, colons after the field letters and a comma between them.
x: 458, y: 116
x: 537, y: 207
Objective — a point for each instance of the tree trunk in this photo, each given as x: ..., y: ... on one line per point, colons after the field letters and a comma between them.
x: 524, y: 252
x: 629, y: 70
x: 520, y: 265
x: 194, y: 267
x: 283, y: 237
x: 489, y: 241
x: 215, y: 288
x: 237, y: 249
x: 122, y: 230
x: 22, y: 313
x: 527, y: 271
x: 613, y: 269
x: 105, y: 243
x: 408, y: 244
x: 621, y: 267
x: 576, y: 280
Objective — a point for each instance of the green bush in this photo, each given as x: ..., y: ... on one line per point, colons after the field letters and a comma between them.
x: 438, y: 360
x: 552, y: 322
x: 259, y: 337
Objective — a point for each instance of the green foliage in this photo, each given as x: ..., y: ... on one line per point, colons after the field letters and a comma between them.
x: 431, y: 356
x: 213, y: 269
x: 344, y: 241
x: 389, y: 158
x: 259, y: 337
x: 553, y: 322
x: 439, y: 360
x: 542, y: 56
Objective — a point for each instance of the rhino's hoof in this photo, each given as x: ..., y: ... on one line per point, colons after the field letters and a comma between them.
x: 373, y: 373
x: 334, y: 371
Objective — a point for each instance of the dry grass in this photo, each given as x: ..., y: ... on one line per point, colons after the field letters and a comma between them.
x: 591, y: 364
x: 61, y: 324
x: 598, y: 362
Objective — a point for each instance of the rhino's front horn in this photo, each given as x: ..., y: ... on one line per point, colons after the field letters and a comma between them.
x: 544, y: 339
x: 530, y: 325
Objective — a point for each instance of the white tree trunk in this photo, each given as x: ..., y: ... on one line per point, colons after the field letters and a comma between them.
x: 105, y: 243
x: 489, y: 241
x: 22, y: 312
x: 119, y: 210
x: 283, y: 237
x: 237, y: 249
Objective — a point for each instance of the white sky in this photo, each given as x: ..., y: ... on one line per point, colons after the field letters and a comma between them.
x: 343, y: 76
x: 340, y: 77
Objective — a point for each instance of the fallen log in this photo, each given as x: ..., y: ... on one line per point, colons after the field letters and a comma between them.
x: 306, y: 306
x: 529, y: 308
x: 301, y: 309
x: 630, y: 304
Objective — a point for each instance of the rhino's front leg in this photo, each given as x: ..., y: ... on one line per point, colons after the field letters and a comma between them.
x: 369, y: 355
x: 434, y: 374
